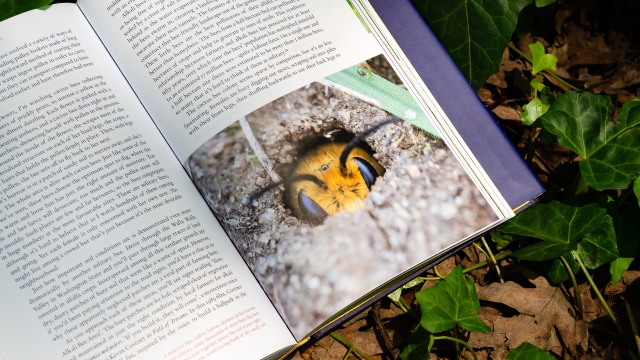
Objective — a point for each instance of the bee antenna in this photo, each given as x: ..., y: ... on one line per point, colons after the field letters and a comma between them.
x: 356, y: 140
x: 304, y: 177
x: 258, y: 193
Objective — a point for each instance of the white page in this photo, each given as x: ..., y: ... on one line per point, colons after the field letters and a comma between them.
x: 205, y: 64
x: 108, y: 250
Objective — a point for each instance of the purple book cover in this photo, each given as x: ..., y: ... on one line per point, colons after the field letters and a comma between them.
x: 459, y: 101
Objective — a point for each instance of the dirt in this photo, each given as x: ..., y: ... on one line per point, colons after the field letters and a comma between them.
x: 424, y: 203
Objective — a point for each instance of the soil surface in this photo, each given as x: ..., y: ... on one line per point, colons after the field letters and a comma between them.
x: 424, y: 203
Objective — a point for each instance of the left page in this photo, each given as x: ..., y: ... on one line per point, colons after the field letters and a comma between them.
x: 107, y: 249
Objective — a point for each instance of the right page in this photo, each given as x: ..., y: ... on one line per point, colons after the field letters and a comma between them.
x: 322, y: 217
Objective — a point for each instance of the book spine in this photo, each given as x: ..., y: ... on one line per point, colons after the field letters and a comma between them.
x: 459, y: 101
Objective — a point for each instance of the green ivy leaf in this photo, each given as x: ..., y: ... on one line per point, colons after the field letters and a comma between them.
x: 546, y: 137
x: 560, y: 226
x: 628, y: 242
x: 557, y: 272
x: 532, y: 111
x: 395, y: 296
x: 547, y: 96
x: 555, y: 222
x: 474, y: 32
x: 537, y: 84
x: 9, y: 8
x: 600, y: 246
x: 501, y: 240
x: 542, y: 3
x: 451, y: 302
x: 610, y: 151
x: 544, y: 251
x: 539, y: 105
x: 418, y: 347
x: 541, y: 60
x: 527, y: 351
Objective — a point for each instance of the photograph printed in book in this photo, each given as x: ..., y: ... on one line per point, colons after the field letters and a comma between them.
x: 327, y: 195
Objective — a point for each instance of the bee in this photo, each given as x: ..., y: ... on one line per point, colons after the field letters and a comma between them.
x: 329, y: 176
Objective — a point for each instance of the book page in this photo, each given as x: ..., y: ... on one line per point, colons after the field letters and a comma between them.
x: 107, y: 249
x: 198, y: 66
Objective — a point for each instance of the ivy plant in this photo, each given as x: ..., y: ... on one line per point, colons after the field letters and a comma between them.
x: 9, y: 8
x: 474, y: 32
x: 447, y: 306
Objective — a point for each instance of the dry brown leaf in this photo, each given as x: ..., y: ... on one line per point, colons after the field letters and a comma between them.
x: 577, y: 47
x: 498, y: 79
x: 328, y: 348
x: 561, y: 16
x: 627, y: 278
x: 541, y: 309
x: 556, y: 82
x: 625, y: 77
x: 625, y: 96
x: 485, y: 95
x: 506, y: 113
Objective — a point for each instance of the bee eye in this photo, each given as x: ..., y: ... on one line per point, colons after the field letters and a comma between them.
x: 324, y: 167
x: 368, y: 172
x: 311, y: 210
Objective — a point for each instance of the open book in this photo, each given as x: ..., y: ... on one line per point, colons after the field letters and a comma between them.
x: 216, y: 179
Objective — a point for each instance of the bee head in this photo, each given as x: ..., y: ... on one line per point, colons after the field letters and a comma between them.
x: 330, y: 177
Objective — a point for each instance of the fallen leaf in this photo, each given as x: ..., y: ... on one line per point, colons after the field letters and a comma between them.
x: 499, y: 79
x: 624, y: 96
x: 328, y: 348
x: 485, y: 95
x: 556, y: 82
x: 506, y: 113
x: 561, y: 16
x: 541, y: 309
x: 628, y: 277
x: 577, y: 47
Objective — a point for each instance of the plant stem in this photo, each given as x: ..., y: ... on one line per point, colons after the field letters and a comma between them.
x: 435, y: 270
x: 458, y: 341
x: 348, y: 345
x: 493, y: 258
x: 346, y: 356
x: 576, y: 289
x: 634, y: 326
x: 481, y: 250
x: 409, y: 309
x: 598, y: 293
x: 485, y: 263
x: 625, y: 194
x: 431, y: 340
x: 550, y: 72
x: 455, y: 334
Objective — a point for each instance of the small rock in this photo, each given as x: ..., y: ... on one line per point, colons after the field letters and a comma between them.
x: 268, y: 215
x: 313, y: 283
x: 413, y: 171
